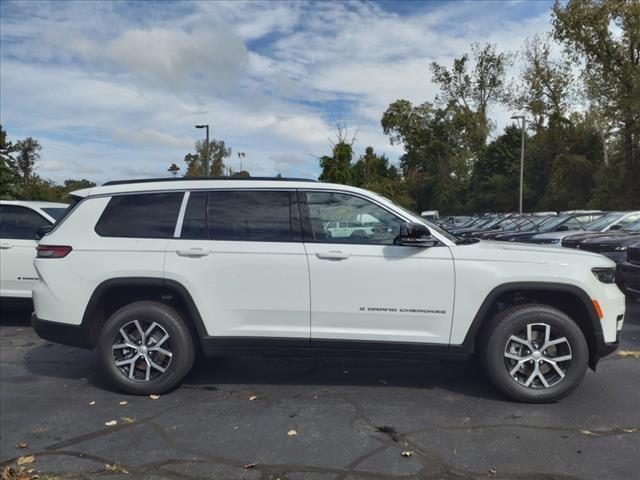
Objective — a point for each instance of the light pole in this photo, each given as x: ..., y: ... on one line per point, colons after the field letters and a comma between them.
x: 241, y: 156
x: 206, y: 149
x: 521, y: 117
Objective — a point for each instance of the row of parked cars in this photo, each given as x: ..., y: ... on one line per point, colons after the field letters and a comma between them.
x: 615, y: 235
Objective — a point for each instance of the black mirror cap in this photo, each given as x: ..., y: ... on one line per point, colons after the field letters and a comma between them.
x: 415, y: 234
x: 42, y: 231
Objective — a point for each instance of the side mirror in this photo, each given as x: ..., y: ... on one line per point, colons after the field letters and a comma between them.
x: 562, y: 228
x: 617, y: 226
x: 42, y: 231
x: 415, y: 235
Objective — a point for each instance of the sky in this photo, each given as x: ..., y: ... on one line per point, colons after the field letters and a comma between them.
x: 112, y: 90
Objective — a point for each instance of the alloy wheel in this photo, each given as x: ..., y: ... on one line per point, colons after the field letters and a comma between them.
x: 538, y: 357
x: 142, y: 350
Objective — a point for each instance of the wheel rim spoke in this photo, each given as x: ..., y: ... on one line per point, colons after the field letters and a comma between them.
x: 154, y: 349
x: 534, y: 362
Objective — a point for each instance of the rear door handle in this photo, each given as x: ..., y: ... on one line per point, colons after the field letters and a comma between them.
x: 333, y: 255
x: 193, y: 252
x: 5, y: 246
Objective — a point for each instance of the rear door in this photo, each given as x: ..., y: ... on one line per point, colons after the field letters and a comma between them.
x: 240, y: 255
x: 18, y: 227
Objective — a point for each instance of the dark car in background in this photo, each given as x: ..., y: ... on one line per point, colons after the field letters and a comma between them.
x: 613, y: 246
x: 574, y: 241
x: 629, y: 272
x: 522, y: 224
x: 562, y: 222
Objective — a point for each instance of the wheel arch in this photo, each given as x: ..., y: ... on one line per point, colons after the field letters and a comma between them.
x: 571, y: 299
x: 115, y: 293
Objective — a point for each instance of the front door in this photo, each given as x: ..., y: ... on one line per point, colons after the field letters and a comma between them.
x: 18, y: 227
x: 365, y: 288
x: 240, y: 256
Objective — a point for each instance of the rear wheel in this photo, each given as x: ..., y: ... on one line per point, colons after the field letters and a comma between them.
x: 534, y: 353
x: 145, y: 347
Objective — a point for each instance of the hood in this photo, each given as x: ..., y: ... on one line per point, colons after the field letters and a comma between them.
x: 489, y: 250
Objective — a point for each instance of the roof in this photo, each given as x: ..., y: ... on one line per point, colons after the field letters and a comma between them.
x: 154, y: 185
x: 34, y: 203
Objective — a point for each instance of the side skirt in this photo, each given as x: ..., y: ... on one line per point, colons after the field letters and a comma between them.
x: 223, y: 346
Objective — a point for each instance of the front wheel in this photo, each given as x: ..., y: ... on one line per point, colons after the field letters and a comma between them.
x: 534, y: 353
x: 145, y: 347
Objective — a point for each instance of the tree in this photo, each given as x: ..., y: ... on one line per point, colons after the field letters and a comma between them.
x: 28, y: 156
x: 547, y: 86
x: 216, y: 152
x: 337, y: 167
x: 9, y: 173
x: 473, y: 88
x: 173, y: 169
x: 570, y: 183
x: 605, y: 36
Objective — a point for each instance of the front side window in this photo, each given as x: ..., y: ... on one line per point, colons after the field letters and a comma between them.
x: 240, y: 215
x: 145, y: 215
x: 20, y: 223
x: 343, y: 218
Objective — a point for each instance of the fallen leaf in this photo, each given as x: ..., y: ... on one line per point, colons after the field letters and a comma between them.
x: 493, y: 471
x: 253, y: 397
x: 629, y: 353
x: 249, y: 466
x: 587, y: 432
x: 92, y: 402
x: 127, y: 420
x: 154, y: 397
x: 115, y: 468
x: 111, y: 423
x: 407, y: 453
x: 292, y: 433
x: 21, y: 445
x: 629, y: 430
x: 26, y: 459
x: 124, y: 402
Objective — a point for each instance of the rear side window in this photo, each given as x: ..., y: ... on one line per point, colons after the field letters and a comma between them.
x: 242, y: 215
x: 20, y: 223
x: 148, y: 215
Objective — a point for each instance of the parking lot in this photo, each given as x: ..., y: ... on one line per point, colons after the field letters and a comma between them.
x: 310, y: 418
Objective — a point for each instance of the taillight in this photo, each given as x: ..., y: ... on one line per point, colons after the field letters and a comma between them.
x: 53, y: 251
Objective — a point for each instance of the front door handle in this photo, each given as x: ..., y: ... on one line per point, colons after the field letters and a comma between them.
x: 5, y: 246
x: 332, y: 255
x: 193, y: 252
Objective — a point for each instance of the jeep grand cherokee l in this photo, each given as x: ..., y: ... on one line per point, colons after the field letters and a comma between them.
x: 148, y: 272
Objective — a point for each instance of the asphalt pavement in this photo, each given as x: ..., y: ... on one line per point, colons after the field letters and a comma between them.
x: 309, y: 418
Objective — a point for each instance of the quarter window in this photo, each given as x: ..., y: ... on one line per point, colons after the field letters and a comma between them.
x: 147, y: 215
x: 343, y: 218
x: 20, y: 223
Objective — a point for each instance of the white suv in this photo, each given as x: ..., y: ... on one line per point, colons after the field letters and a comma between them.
x: 149, y: 271
x: 19, y: 222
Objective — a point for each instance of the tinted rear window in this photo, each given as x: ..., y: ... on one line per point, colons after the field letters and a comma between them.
x: 55, y: 212
x: 239, y: 215
x: 148, y: 215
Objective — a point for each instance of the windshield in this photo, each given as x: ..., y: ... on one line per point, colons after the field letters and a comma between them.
x: 551, y: 224
x: 634, y: 227
x: 55, y: 212
x: 603, y: 222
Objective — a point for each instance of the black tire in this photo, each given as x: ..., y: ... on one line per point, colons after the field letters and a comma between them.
x: 513, y: 321
x: 179, y: 343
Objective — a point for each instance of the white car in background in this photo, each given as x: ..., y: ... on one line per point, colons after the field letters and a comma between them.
x: 610, y: 222
x: 19, y: 221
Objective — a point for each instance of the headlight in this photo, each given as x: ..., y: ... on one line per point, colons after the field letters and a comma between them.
x: 619, y: 249
x: 604, y: 274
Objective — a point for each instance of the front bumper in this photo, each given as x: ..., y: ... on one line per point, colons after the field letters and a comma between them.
x: 64, y: 333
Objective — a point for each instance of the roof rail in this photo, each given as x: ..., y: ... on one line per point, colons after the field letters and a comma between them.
x: 152, y: 180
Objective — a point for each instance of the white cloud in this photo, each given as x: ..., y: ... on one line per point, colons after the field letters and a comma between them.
x: 115, y: 90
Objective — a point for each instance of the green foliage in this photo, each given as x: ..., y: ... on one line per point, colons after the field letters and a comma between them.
x: 337, y: 167
x: 212, y: 155
x: 570, y: 183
